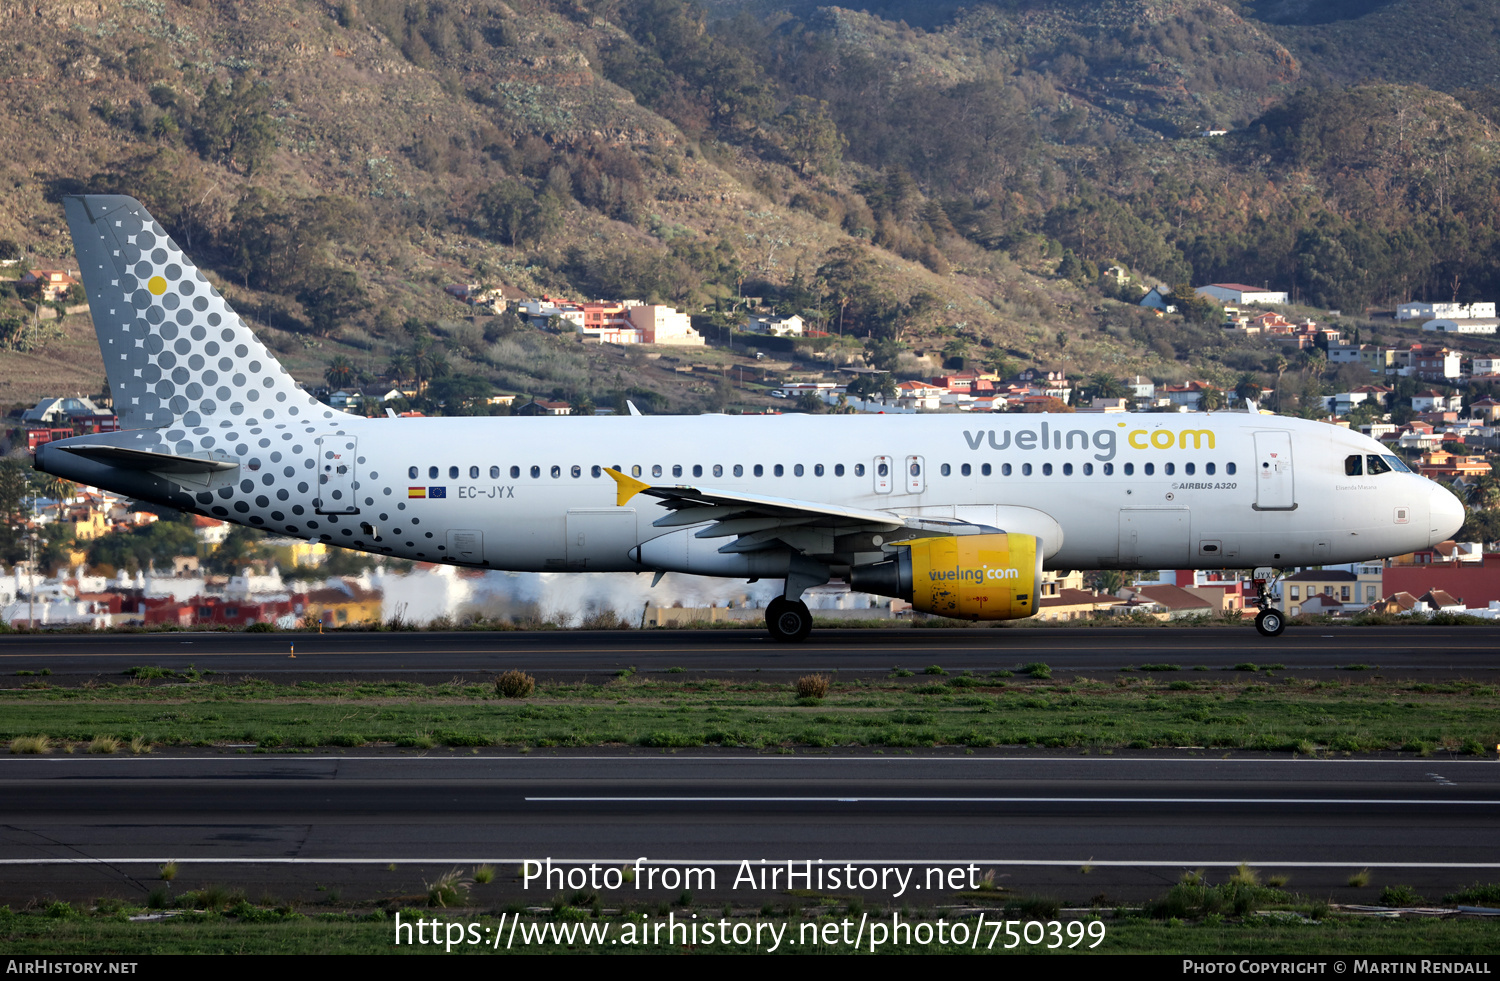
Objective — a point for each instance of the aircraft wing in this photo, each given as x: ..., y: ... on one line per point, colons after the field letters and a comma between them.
x: 761, y: 521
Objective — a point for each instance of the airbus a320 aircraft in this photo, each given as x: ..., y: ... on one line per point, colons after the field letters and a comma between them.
x: 957, y: 514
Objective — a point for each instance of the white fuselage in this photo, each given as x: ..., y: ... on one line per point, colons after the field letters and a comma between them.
x: 1127, y: 491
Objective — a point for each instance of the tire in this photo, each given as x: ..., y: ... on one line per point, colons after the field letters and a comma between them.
x: 789, y: 621
x: 1270, y: 623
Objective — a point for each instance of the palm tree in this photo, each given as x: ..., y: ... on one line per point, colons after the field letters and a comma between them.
x: 400, y: 368
x: 1248, y: 388
x: 1212, y: 398
x: 340, y: 373
x: 1103, y: 385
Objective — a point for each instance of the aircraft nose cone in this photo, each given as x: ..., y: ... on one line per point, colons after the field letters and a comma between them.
x: 1447, y: 515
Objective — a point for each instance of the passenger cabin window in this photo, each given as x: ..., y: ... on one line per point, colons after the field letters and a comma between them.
x: 1375, y: 463
x: 1149, y: 469
x: 1088, y: 469
x: 556, y: 471
x: 1189, y: 468
x: 1354, y: 465
x: 883, y: 470
x: 838, y: 469
x: 473, y: 473
x: 494, y: 473
x: 1130, y: 470
x: 817, y: 470
x: 1025, y: 470
x: 656, y: 470
x: 946, y: 470
x: 966, y: 470
x: 718, y: 470
x: 536, y: 472
x: 1004, y: 470
x: 739, y: 470
x: 1229, y: 469
x: 778, y: 470
x: 677, y: 470
x: 984, y: 469
x: 697, y: 470
x: 759, y: 470
x: 577, y: 471
x: 1067, y: 469
x: 432, y: 473
x: 1208, y: 468
x: 797, y: 470
x: 1109, y: 470
x: 411, y: 473
x: 859, y: 470
x: 515, y: 471
x: 596, y: 471
x: 635, y: 471
x: 452, y: 473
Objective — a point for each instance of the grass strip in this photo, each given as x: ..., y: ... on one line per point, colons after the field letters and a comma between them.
x: 59, y: 930
x: 1290, y: 715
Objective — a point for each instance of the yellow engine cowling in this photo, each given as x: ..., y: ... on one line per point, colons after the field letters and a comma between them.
x: 968, y: 577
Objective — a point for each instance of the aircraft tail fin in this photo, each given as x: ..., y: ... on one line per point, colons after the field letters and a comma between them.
x: 175, y: 352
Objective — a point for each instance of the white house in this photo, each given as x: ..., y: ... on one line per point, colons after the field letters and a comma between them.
x: 1159, y: 298
x: 775, y: 326
x: 1239, y: 293
x: 1433, y: 401
x: 1450, y: 311
x: 1463, y: 325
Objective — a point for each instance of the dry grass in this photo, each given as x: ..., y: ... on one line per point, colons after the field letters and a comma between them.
x: 813, y: 686
x: 31, y: 745
x: 104, y: 744
x: 515, y: 684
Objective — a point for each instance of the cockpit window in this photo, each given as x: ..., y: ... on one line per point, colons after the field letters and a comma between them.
x: 1397, y: 463
x: 1354, y: 466
x: 1377, y: 465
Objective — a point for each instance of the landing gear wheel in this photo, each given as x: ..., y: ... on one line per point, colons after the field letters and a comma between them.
x: 789, y: 621
x: 1270, y: 623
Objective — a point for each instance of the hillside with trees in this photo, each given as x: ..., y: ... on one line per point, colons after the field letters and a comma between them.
x: 928, y: 184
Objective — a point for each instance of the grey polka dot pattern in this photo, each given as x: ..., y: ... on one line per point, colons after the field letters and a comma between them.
x: 190, y: 378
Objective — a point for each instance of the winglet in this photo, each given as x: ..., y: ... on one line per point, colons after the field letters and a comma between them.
x: 628, y: 486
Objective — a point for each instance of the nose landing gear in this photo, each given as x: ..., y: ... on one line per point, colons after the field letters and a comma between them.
x: 1270, y: 622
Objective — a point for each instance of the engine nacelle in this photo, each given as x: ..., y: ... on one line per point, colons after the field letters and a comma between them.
x: 967, y: 577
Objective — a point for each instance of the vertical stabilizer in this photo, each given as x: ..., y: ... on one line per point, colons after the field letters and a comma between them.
x: 174, y: 350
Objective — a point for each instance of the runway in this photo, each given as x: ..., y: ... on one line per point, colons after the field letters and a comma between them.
x: 1429, y: 653
x: 1080, y: 828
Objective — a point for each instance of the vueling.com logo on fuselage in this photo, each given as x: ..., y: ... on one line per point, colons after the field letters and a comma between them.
x: 1104, y: 440
x: 971, y: 575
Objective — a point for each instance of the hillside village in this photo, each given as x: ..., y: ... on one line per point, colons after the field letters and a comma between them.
x: 198, y: 581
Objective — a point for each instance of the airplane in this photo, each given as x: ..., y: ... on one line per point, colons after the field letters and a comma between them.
x: 956, y: 514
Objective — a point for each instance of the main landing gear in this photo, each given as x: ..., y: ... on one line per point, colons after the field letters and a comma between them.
x: 789, y: 621
x: 1269, y: 621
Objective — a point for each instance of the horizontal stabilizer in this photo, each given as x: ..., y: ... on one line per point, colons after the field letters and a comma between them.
x: 119, y: 456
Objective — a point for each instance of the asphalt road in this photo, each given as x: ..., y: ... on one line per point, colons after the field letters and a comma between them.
x: 1419, y: 652
x: 1110, y: 829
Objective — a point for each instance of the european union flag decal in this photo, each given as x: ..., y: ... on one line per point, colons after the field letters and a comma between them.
x: 437, y: 492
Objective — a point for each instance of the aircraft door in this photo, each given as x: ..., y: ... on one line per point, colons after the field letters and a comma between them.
x: 336, y: 458
x: 1273, y: 472
x: 883, y: 476
x: 916, y: 475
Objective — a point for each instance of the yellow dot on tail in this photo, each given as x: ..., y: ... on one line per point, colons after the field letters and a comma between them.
x: 156, y: 285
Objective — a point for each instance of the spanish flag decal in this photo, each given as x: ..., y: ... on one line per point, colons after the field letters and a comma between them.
x: 416, y: 492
